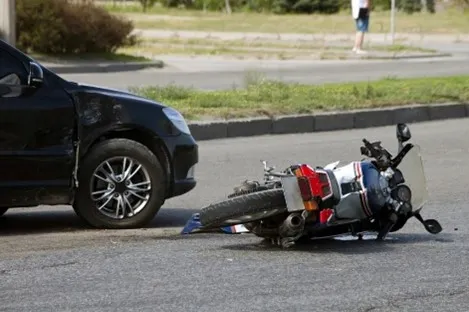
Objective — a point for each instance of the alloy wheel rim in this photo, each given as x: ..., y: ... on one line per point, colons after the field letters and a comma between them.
x: 120, y: 187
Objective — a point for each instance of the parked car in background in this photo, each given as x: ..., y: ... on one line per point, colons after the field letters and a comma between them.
x: 115, y: 157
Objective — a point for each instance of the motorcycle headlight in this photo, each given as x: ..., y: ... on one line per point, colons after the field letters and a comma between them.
x: 402, y: 193
x: 397, y: 178
x: 177, y: 119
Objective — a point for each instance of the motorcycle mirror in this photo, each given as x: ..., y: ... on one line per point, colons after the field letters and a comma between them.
x: 432, y: 226
x: 403, y: 133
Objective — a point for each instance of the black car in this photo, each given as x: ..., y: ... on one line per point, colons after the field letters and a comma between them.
x: 115, y: 157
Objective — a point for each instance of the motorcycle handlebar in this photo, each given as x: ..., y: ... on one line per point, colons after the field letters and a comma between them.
x: 382, y: 156
x: 372, y: 151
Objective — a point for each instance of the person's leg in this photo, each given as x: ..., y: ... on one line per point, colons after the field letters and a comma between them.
x: 362, y: 28
x: 358, y: 41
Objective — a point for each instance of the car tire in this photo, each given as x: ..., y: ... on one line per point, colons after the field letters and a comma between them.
x: 3, y: 211
x: 115, y: 150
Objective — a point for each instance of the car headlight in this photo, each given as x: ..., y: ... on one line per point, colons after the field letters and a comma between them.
x: 177, y: 119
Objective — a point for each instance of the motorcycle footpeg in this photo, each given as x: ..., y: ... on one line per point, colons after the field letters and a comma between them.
x: 334, y: 222
x: 387, y: 228
x: 287, y: 242
x: 284, y: 242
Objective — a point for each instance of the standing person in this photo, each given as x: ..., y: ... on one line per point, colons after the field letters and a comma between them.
x: 361, y: 14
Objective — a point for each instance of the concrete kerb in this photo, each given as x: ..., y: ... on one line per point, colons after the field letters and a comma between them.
x: 102, y: 67
x: 329, y: 121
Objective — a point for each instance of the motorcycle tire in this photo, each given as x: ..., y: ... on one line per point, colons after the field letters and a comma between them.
x: 244, y: 208
x: 248, y: 191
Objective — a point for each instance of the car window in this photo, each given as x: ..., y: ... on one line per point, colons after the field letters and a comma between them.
x: 11, y: 66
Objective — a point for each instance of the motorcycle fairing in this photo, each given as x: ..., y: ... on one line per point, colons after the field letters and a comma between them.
x: 346, y: 208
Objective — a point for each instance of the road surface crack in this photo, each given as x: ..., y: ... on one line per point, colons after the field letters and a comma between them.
x: 55, y: 265
x: 397, y: 303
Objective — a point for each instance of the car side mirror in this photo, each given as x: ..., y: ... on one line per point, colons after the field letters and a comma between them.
x: 36, y: 75
x: 403, y: 133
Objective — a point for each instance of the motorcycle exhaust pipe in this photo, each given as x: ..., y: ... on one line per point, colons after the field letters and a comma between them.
x: 292, y: 225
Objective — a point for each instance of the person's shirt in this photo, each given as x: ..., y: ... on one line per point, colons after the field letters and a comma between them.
x: 356, y: 6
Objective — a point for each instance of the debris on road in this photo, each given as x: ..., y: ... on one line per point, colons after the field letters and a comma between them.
x: 194, y: 225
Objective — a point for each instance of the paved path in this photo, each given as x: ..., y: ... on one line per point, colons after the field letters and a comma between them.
x: 213, y: 74
x: 414, y: 271
x: 372, y: 37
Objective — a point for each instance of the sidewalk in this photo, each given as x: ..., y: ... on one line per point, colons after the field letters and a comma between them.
x: 87, y: 67
x: 383, y: 38
x: 447, y: 45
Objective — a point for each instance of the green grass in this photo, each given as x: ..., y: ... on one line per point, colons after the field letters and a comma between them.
x: 450, y: 21
x: 270, y: 98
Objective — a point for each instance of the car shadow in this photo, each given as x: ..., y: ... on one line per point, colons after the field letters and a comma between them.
x: 31, y: 221
x: 349, y: 246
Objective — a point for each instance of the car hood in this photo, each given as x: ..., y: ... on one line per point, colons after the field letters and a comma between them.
x: 119, y: 94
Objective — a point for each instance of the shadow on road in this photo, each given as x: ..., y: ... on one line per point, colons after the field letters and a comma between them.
x: 353, y: 246
x: 24, y: 222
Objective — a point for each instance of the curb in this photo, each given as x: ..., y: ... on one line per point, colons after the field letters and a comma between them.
x: 102, y: 67
x: 355, y: 119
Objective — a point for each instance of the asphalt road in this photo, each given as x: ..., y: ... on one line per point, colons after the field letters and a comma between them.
x: 48, y: 261
x: 213, y: 75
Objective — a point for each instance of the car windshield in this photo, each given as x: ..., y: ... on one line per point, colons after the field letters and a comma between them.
x: 414, y: 175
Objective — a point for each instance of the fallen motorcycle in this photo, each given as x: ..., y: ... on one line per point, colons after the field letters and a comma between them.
x: 377, y: 194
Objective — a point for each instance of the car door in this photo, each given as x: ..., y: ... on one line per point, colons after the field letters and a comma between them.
x: 36, y: 137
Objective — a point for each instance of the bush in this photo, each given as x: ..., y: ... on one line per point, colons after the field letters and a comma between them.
x: 297, y: 6
x: 146, y: 4
x: 260, y: 5
x: 209, y: 5
x: 277, y: 6
x: 61, y: 27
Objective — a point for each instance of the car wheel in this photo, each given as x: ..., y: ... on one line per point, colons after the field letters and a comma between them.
x: 3, y: 211
x: 121, y: 185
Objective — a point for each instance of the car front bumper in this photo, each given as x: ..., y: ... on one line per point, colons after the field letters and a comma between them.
x: 184, y: 157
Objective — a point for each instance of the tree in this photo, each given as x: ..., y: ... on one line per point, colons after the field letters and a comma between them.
x: 146, y: 4
x: 228, y: 7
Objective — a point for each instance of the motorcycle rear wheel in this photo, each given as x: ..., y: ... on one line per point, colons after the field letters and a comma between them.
x: 244, y: 208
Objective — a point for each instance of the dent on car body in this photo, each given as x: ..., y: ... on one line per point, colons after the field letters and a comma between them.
x: 50, y: 124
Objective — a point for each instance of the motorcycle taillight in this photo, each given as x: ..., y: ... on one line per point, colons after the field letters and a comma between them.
x: 324, y: 185
x: 305, y: 188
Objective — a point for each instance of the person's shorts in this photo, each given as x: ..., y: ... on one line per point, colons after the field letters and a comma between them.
x: 362, y: 23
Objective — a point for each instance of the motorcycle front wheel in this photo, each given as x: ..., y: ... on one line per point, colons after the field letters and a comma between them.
x: 244, y: 208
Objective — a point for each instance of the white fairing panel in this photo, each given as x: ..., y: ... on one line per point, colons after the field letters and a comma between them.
x: 414, y: 175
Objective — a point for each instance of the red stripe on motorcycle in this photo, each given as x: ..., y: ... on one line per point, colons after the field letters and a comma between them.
x: 363, y: 198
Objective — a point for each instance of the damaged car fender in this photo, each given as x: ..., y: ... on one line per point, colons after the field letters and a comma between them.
x: 115, y: 156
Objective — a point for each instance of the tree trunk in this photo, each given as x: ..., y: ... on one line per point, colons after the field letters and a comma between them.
x: 424, y: 5
x: 227, y: 6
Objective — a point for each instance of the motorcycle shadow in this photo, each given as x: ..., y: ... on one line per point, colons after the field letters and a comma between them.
x: 346, y: 245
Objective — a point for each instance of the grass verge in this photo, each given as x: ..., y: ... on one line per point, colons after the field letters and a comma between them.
x: 450, y: 21
x: 271, y: 98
